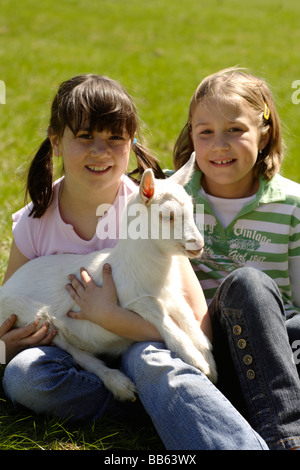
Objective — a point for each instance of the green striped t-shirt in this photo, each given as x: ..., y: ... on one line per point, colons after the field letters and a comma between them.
x: 264, y: 235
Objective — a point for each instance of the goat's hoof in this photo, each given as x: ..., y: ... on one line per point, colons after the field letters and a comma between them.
x: 213, y: 375
x: 207, y: 365
x: 121, y: 386
x: 125, y: 395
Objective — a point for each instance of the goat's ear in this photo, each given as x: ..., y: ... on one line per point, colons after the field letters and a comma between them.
x: 147, y: 186
x: 184, y: 174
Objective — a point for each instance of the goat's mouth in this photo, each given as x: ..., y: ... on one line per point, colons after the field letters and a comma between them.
x: 194, y: 253
x: 192, y: 250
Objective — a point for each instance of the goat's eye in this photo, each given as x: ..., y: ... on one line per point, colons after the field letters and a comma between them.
x: 167, y: 216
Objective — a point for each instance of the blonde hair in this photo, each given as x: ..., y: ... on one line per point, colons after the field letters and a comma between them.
x: 224, y: 85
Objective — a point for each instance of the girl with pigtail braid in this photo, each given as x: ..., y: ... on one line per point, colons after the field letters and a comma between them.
x: 92, y: 127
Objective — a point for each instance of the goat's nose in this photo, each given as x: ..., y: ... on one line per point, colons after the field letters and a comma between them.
x: 195, y: 243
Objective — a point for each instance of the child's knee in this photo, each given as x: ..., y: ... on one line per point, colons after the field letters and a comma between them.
x: 137, y: 359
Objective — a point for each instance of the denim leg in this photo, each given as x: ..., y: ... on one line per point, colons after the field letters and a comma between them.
x: 248, y: 309
x: 187, y: 410
x: 47, y: 380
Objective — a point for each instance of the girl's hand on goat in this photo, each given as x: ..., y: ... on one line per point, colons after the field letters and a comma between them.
x: 95, y: 302
x: 18, y: 339
x: 100, y: 305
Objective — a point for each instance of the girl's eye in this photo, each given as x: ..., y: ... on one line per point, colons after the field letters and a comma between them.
x: 116, y: 137
x: 112, y: 139
x: 84, y: 135
x: 235, y: 129
x: 116, y: 140
x: 206, y: 132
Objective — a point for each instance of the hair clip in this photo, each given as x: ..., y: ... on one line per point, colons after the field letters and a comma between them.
x: 266, y: 112
x: 134, y: 141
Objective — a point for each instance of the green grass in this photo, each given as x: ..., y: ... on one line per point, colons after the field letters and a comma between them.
x: 20, y: 430
x: 159, y: 50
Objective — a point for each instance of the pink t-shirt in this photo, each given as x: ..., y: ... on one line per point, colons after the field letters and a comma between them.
x: 49, y: 234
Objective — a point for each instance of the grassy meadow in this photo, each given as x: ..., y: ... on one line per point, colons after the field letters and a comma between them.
x: 159, y: 50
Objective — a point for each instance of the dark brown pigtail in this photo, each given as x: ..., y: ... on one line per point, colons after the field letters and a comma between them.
x: 40, y: 179
x: 145, y: 160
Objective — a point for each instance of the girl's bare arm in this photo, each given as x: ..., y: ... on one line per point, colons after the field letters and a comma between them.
x: 16, y: 260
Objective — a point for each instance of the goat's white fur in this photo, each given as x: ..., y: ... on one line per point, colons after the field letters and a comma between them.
x: 147, y: 277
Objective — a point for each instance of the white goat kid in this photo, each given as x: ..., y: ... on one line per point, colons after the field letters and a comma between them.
x: 147, y: 277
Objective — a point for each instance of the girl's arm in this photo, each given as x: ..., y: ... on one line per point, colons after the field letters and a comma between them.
x: 194, y: 296
x: 16, y: 260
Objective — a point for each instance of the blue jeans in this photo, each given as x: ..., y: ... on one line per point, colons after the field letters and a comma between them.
x: 254, y: 358
x: 187, y: 410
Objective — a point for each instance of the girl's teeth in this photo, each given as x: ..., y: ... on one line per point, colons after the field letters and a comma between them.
x: 224, y: 161
x: 97, y: 168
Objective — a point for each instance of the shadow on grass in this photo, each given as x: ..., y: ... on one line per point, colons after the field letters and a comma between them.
x: 21, y: 430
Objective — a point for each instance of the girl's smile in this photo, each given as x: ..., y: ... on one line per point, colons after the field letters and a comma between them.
x: 223, y: 162
x: 226, y: 140
x: 97, y: 169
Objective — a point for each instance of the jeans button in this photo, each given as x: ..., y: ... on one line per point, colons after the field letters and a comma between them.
x: 247, y: 359
x: 241, y: 343
x: 237, y: 329
x: 250, y: 374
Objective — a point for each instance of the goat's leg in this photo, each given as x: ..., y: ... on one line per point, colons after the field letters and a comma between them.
x: 175, y: 338
x: 179, y: 342
x: 182, y: 313
x: 114, y: 380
